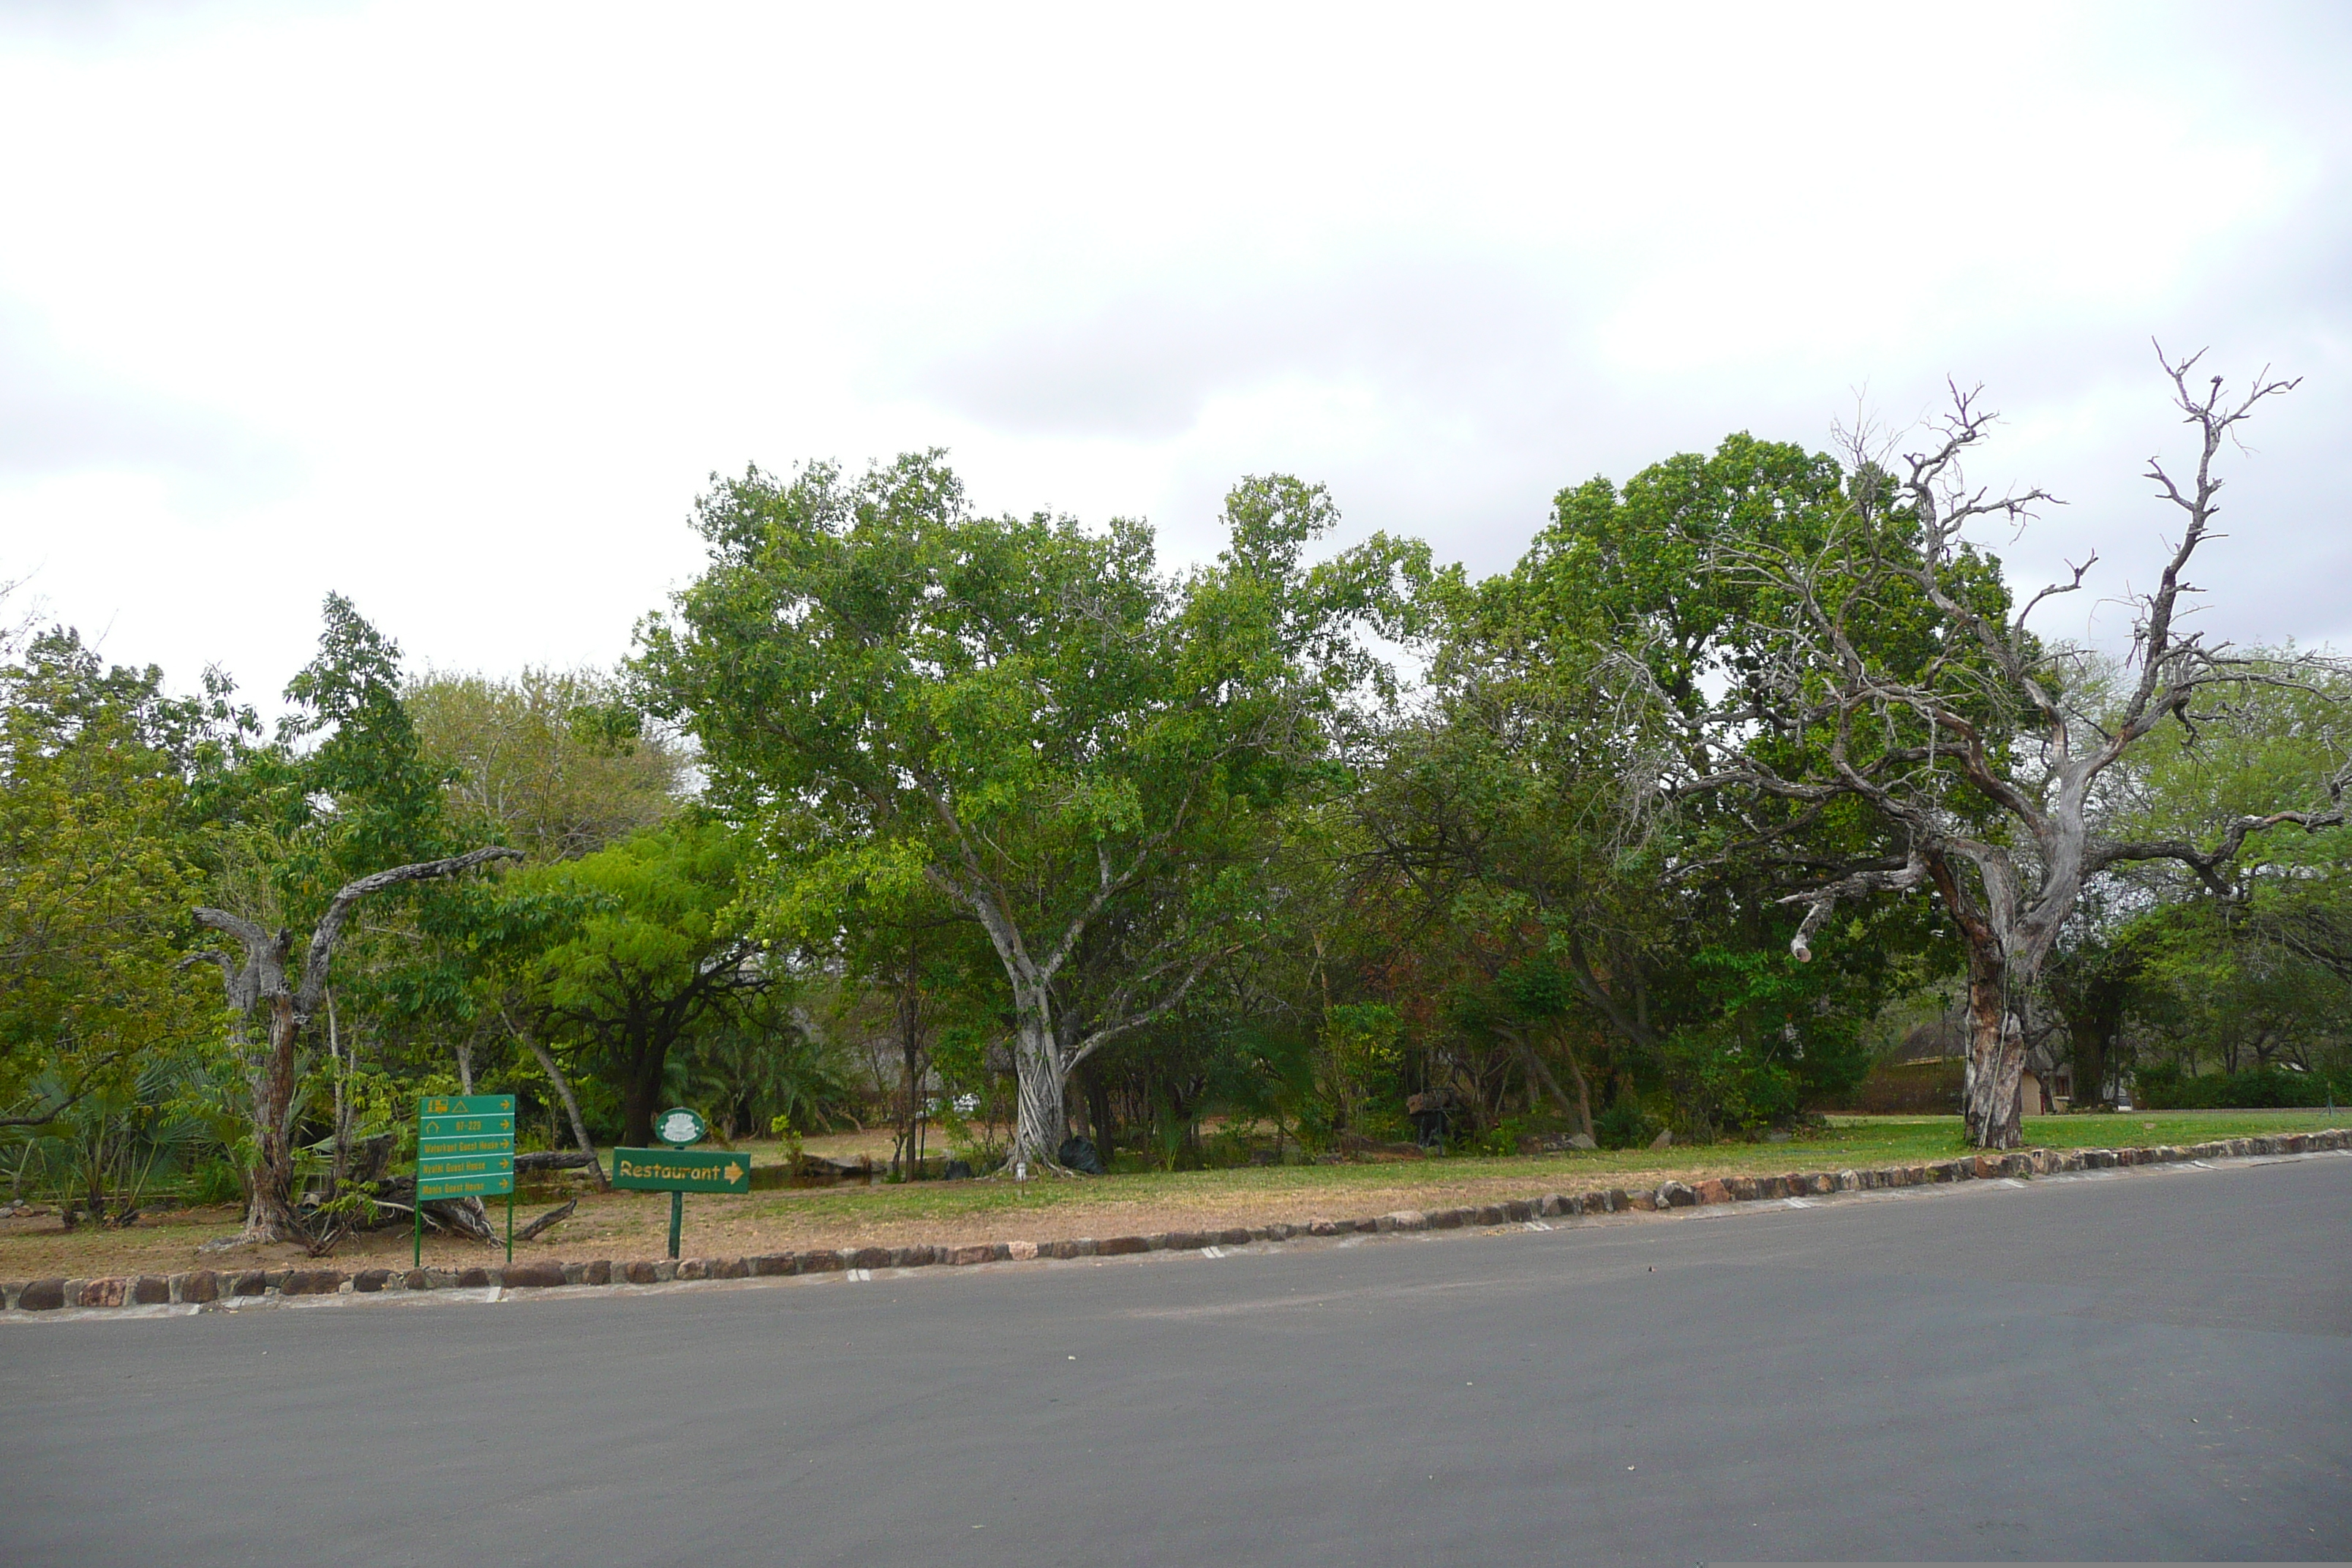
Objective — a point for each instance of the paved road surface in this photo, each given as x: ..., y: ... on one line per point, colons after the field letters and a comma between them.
x: 2154, y: 1365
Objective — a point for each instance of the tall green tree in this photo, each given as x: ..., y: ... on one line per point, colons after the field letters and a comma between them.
x: 341, y: 807
x: 99, y: 861
x: 552, y: 762
x: 1896, y: 675
x: 1027, y: 715
x: 657, y: 951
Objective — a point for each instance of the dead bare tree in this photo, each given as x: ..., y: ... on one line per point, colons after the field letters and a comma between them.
x: 269, y: 1001
x: 1977, y: 753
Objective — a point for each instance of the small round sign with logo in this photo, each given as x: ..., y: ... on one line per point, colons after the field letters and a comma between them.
x: 678, y: 1127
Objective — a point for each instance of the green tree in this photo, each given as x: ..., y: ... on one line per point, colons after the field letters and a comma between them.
x: 341, y: 806
x: 1027, y: 715
x: 1896, y: 676
x: 98, y: 866
x: 553, y: 762
x: 658, y: 952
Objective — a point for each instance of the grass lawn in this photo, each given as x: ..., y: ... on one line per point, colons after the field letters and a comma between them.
x: 633, y: 1224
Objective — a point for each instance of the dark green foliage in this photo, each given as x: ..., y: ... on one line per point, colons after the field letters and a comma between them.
x: 2164, y: 1087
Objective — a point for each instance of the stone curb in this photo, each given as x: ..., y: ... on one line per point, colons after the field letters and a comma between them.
x: 210, y: 1289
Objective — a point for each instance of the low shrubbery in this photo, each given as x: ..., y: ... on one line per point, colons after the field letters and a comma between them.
x: 2166, y: 1088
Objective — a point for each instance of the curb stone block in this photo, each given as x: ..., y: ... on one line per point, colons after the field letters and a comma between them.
x: 10, y: 1290
x: 665, y: 1270
x: 1616, y: 1200
x: 532, y: 1276
x: 1674, y: 1194
x: 772, y: 1265
x: 1643, y: 1200
x: 575, y: 1273
x: 1446, y: 1219
x: 1821, y: 1183
x: 1404, y: 1219
x: 1058, y: 1250
x: 1121, y: 1246
x: 1847, y: 1181
x: 1518, y: 1212
x: 640, y: 1274
x: 42, y: 1296
x: 1715, y: 1191
x: 109, y: 1291
x: 1324, y: 1227
x: 879, y: 1257
x: 474, y: 1279
x: 416, y: 1280
x: 821, y: 1260
x: 598, y: 1272
x: 311, y: 1282
x: 1555, y: 1205
x: 1162, y: 1240
x: 732, y: 1269
x: 1233, y: 1236
x: 73, y: 1291
x: 151, y: 1291
x: 275, y: 1278
x: 962, y: 1257
x: 371, y: 1280
x: 1494, y: 1213
x: 913, y: 1256
x: 693, y: 1268
x: 251, y: 1282
x: 1020, y: 1251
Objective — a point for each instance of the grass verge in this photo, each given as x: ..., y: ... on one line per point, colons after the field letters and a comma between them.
x: 635, y: 1224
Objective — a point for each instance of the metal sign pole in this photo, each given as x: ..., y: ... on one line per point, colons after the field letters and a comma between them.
x: 509, y: 1225
x: 416, y: 1212
x: 676, y: 1217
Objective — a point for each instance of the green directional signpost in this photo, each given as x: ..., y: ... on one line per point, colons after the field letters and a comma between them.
x: 464, y: 1149
x: 677, y: 1169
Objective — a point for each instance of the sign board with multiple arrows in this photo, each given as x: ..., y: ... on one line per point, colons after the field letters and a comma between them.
x: 465, y: 1145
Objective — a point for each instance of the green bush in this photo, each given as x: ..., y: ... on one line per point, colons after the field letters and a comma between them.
x: 2166, y: 1088
x: 215, y: 1182
x: 1625, y: 1125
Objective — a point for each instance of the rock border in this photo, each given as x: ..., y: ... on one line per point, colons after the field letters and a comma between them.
x: 216, y: 1289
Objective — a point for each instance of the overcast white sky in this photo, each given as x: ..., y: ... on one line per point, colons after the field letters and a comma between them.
x: 454, y: 307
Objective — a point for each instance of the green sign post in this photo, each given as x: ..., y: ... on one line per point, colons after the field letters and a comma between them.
x: 678, y: 1170
x: 464, y: 1149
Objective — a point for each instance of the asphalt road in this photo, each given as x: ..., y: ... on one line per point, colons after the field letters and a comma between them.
x: 2146, y: 1364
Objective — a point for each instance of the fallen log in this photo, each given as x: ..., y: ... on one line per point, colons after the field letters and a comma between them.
x: 548, y: 1221
x: 555, y: 1159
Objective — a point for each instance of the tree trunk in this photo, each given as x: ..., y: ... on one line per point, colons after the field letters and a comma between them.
x: 1995, y: 1079
x: 570, y: 1104
x: 2089, y: 1039
x: 1538, y: 1072
x: 1583, y: 1091
x: 270, y: 1208
x: 342, y: 1108
x: 1039, y: 1125
x: 639, y: 1090
x: 1097, y: 1097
